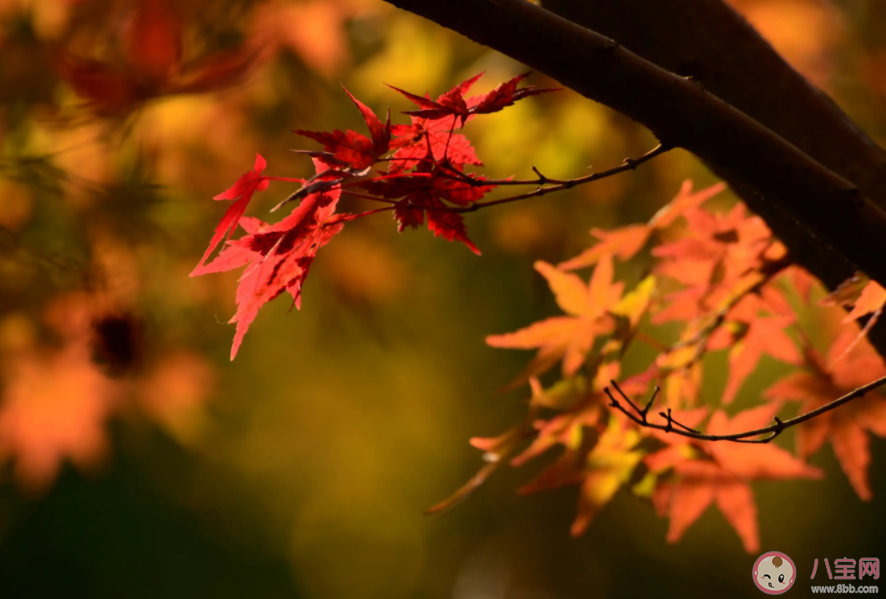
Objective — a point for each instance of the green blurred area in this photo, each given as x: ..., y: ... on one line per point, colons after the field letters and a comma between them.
x: 302, y: 468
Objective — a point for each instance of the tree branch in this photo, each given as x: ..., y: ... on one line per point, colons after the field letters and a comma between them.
x: 629, y: 164
x: 640, y: 417
x: 824, y: 220
x: 711, y: 42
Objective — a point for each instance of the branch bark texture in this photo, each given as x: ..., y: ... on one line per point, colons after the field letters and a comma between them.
x: 711, y: 42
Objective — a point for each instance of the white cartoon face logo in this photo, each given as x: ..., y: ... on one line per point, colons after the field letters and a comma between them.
x: 774, y: 573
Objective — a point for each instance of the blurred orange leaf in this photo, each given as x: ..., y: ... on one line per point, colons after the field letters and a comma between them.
x: 721, y: 471
x: 850, y: 364
x: 53, y: 408
x: 567, y: 337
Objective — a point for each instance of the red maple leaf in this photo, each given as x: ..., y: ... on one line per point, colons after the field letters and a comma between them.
x: 454, y: 104
x: 352, y: 148
x: 414, y: 141
x: 241, y: 191
x: 285, y: 267
x: 280, y: 257
x: 449, y: 104
x: 424, y: 191
x: 277, y: 257
x: 505, y: 95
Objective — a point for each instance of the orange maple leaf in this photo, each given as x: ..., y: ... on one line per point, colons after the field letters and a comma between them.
x: 54, y: 408
x: 580, y: 406
x: 571, y: 337
x: 715, y: 257
x: 863, y: 296
x: 627, y: 241
x: 871, y: 299
x: 601, y: 470
x: 751, y: 337
x: 826, y: 380
x: 707, y: 471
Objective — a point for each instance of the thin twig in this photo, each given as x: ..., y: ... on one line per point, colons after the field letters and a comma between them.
x: 629, y: 164
x: 555, y: 184
x: 672, y: 426
x: 365, y: 196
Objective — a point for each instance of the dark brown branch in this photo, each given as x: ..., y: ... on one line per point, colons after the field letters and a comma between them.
x: 827, y: 224
x: 709, y: 41
x: 640, y: 417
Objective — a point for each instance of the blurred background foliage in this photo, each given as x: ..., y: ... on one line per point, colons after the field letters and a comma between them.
x: 139, y: 462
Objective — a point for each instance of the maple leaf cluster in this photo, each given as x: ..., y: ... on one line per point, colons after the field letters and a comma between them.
x: 418, y: 171
x: 730, y: 286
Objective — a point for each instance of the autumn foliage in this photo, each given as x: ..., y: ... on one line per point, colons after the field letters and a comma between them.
x: 730, y: 286
x: 717, y: 281
x: 422, y: 177
x: 615, y: 371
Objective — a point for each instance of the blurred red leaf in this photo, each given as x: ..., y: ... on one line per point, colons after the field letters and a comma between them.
x: 153, y: 44
x: 152, y: 53
x: 107, y: 89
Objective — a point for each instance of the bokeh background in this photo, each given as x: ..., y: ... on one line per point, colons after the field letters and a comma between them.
x: 137, y: 461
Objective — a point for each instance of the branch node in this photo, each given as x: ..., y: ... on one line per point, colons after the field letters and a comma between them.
x: 669, y: 427
x: 626, y: 398
x: 610, y: 48
x: 649, y: 403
